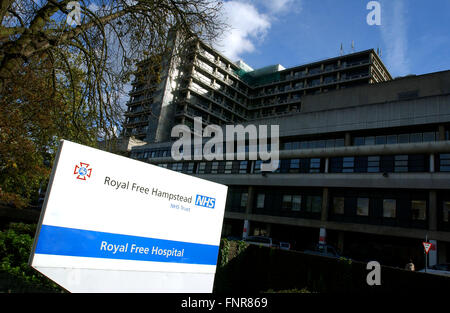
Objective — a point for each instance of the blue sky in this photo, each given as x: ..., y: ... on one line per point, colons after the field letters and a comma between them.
x: 413, y: 35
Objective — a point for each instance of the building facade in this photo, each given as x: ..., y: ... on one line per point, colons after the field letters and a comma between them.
x: 364, y: 158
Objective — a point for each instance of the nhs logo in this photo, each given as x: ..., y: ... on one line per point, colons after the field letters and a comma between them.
x: 205, y: 201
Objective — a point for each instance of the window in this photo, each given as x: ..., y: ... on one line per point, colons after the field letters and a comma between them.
x: 391, y: 139
x: 403, y: 138
x: 418, y: 163
x: 370, y: 141
x: 429, y: 136
x: 287, y: 202
x: 260, y: 200
x: 336, y: 165
x: 444, y: 162
x: 214, y: 167
x: 314, y: 204
x: 201, y: 168
x: 338, y: 205
x: 389, y: 208
x: 416, y: 137
x: 358, y: 141
x: 294, y: 166
x: 296, y: 203
x: 257, y: 168
x: 418, y: 209
x: 244, y: 199
x: 228, y: 167
x: 348, y: 164
x: 291, y: 202
x: 243, y: 167
x: 445, y: 211
x: 373, y: 164
x: 177, y: 167
x: 189, y: 168
x: 362, y: 207
x: 380, y: 140
x: 401, y: 163
x: 314, y: 166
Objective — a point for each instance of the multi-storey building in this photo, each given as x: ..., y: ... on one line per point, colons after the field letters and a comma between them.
x: 367, y: 164
x: 204, y: 83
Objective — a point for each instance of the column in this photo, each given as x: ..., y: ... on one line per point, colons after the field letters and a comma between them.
x: 432, y: 225
x: 432, y: 169
x: 432, y: 210
x: 248, y: 210
x: 347, y: 140
x: 324, y: 214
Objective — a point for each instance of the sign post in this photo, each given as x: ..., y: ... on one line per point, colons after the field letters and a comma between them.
x: 113, y: 224
x: 426, y: 246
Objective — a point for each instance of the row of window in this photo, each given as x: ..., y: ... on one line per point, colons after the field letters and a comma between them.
x: 380, y: 164
x: 389, y: 208
x: 398, y: 138
x: 363, y: 164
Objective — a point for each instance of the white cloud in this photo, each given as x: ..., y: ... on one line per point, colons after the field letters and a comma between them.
x: 247, y: 25
x: 282, y: 6
x: 394, y: 34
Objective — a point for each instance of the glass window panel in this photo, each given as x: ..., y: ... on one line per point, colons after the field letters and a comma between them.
x: 389, y: 208
x: 257, y: 168
x: 380, y: 140
x: 391, y: 139
x: 418, y: 209
x: 358, y: 141
x: 330, y: 143
x: 201, y: 167
x: 296, y: 203
x: 338, y: 205
x: 370, y: 140
x: 214, y: 167
x: 416, y: 137
x: 428, y: 136
x: 314, y: 204
x: 362, y: 206
x: 260, y: 200
x: 339, y: 142
x: 403, y: 138
x: 244, y: 199
x: 243, y: 167
x: 287, y: 202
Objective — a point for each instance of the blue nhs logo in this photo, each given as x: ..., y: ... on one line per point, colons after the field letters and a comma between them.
x: 205, y: 201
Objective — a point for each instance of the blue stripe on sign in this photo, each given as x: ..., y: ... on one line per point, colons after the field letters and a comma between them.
x: 86, y: 243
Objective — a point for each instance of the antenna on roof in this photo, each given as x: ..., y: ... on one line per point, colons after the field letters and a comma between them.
x: 342, y: 49
x: 353, y: 46
x: 380, y: 53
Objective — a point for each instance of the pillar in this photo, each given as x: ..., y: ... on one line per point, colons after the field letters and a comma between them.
x: 324, y: 213
x: 347, y: 140
x: 432, y: 169
x: 432, y: 210
x: 248, y: 210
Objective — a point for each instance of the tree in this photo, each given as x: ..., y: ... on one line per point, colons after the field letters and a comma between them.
x: 110, y: 38
x: 61, y: 81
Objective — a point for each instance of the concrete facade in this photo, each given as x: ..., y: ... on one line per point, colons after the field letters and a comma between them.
x: 367, y: 163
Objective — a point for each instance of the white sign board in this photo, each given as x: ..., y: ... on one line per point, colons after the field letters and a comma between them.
x: 113, y: 224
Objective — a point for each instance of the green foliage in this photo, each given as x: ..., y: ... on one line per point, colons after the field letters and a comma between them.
x: 15, y: 247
